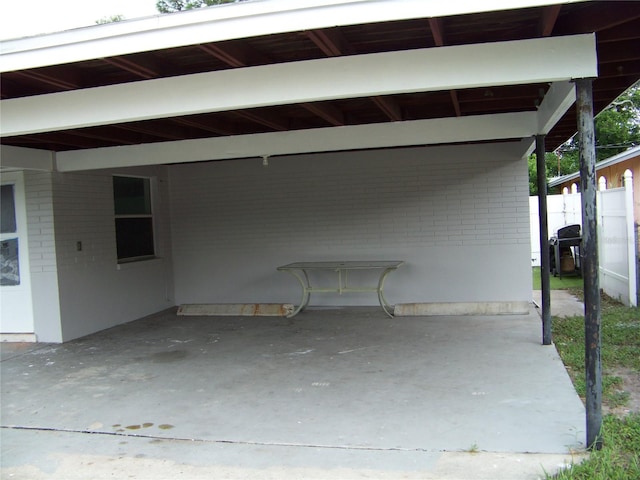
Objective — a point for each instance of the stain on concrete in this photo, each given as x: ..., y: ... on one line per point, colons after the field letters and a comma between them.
x: 168, y: 357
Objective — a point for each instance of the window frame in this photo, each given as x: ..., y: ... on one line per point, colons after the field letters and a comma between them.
x: 151, y: 215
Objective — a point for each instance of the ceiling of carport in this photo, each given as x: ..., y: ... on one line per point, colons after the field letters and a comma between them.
x: 616, y: 24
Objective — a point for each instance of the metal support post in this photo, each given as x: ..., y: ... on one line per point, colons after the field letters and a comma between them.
x: 544, y: 240
x: 589, y: 262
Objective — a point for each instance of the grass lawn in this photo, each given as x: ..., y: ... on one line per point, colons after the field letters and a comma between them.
x: 620, y: 351
x: 557, y: 283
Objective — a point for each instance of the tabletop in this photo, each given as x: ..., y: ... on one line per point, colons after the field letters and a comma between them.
x: 343, y: 265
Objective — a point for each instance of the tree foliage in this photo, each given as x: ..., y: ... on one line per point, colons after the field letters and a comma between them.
x: 617, y: 128
x: 555, y: 166
x: 110, y: 19
x: 170, y: 6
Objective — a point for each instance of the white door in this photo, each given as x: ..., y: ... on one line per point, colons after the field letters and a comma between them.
x: 16, y: 311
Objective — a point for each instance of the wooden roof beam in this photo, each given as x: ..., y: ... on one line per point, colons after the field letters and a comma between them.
x: 327, y: 139
x: 500, y: 63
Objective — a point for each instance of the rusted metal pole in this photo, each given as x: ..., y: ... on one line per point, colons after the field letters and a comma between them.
x: 589, y: 261
x: 544, y: 240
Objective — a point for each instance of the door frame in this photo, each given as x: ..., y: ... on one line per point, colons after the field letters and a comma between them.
x: 18, y: 300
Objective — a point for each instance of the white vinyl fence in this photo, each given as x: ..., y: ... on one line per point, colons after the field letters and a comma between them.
x: 562, y: 210
x: 616, y: 235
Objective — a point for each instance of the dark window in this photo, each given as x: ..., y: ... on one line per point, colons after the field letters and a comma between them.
x: 9, y: 259
x: 8, y: 210
x: 134, y: 219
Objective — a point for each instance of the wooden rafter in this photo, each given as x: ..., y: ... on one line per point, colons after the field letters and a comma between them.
x: 456, y: 102
x: 67, y: 139
x: 105, y: 137
x: 601, y: 17
x: 271, y: 121
x: 131, y: 67
x: 330, y: 114
x: 331, y: 42
x: 235, y: 55
x: 390, y: 108
x: 48, y: 79
x: 233, y: 59
x: 216, y: 127
x: 548, y: 19
x: 152, y: 130
x: 437, y: 32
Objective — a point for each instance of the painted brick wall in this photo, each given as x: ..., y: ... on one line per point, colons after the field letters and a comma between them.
x: 457, y: 215
x: 42, y: 256
x: 39, y: 194
x: 96, y: 293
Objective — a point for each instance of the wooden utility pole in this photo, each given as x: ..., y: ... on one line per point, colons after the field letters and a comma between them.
x: 589, y: 261
x: 544, y: 240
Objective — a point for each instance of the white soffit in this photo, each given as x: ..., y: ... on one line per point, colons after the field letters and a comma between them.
x: 227, y: 22
x: 434, y: 69
x: 330, y: 139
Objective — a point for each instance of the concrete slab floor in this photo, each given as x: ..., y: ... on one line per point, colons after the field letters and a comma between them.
x: 563, y: 304
x: 342, y: 393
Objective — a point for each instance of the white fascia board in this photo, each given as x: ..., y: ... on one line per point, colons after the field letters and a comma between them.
x: 25, y: 158
x: 432, y: 69
x: 329, y: 139
x: 228, y: 22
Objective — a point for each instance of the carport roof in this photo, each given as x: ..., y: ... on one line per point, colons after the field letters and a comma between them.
x: 292, y: 69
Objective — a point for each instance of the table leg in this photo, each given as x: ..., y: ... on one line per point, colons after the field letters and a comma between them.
x: 386, y: 306
x: 304, y: 283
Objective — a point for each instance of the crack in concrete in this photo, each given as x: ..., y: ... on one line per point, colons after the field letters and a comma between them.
x: 227, y: 442
x: 28, y: 351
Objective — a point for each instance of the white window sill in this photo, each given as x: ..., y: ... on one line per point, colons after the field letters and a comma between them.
x: 139, y: 263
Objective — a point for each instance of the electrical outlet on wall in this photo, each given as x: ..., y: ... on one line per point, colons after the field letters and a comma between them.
x: 79, y: 246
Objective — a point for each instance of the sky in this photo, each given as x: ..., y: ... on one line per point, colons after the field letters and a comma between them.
x: 23, y: 18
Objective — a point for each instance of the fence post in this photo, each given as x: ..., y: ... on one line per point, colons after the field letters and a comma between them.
x: 602, y: 184
x: 589, y: 254
x: 631, y: 244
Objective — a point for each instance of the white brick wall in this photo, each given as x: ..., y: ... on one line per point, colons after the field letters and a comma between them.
x: 84, y: 213
x: 42, y: 256
x: 94, y: 292
x: 457, y: 215
x: 40, y: 221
